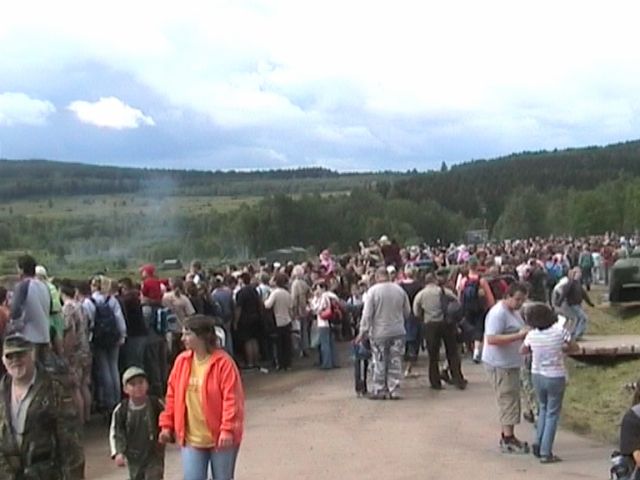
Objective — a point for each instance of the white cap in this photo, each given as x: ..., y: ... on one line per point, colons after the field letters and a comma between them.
x: 41, y: 271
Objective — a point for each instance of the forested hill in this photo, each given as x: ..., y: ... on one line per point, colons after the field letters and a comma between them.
x: 482, y: 187
x: 43, y: 178
x: 475, y: 189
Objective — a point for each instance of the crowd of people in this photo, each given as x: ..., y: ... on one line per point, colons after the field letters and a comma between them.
x: 175, y: 347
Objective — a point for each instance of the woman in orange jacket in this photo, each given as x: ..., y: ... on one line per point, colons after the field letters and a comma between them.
x: 204, y: 409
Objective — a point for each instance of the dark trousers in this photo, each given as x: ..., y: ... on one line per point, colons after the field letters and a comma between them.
x: 283, y: 346
x: 156, y: 364
x: 361, y: 368
x: 436, y: 333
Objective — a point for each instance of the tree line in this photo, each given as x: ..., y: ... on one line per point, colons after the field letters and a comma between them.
x: 574, y: 192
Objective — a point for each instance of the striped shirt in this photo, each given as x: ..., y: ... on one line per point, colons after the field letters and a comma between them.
x: 547, y: 357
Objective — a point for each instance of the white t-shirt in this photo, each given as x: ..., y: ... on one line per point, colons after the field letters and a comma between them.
x: 500, y: 321
x: 547, y: 357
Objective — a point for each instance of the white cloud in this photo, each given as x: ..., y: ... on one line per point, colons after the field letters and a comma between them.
x: 356, y: 74
x: 110, y: 112
x: 19, y: 108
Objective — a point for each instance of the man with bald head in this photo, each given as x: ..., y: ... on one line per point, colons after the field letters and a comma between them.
x: 386, y: 306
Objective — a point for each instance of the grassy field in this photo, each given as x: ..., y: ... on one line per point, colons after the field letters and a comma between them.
x: 596, y: 399
x: 100, y: 205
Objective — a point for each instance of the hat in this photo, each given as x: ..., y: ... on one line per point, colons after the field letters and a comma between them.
x: 384, y: 240
x: 16, y: 343
x: 149, y: 269
x: 473, y: 261
x: 391, y: 269
x: 131, y: 373
x: 41, y: 271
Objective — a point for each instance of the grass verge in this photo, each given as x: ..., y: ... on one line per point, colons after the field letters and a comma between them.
x: 596, y: 399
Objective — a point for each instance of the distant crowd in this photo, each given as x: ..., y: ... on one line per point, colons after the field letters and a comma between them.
x: 164, y: 342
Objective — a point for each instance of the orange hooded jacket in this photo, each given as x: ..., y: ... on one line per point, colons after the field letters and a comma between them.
x: 222, y: 397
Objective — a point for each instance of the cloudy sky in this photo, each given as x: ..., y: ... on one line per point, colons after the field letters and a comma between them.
x: 345, y: 84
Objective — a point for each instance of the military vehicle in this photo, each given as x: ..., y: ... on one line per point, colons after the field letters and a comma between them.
x: 624, y: 279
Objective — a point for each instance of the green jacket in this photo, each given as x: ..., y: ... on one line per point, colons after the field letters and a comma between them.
x: 50, y: 448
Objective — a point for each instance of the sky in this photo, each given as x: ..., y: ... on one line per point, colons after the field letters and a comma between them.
x: 343, y: 84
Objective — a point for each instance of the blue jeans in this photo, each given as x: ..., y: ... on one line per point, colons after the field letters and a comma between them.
x: 550, y: 392
x: 327, y: 348
x: 581, y: 321
x: 196, y: 461
x: 108, y: 387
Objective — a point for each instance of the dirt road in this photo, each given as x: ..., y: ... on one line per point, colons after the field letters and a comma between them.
x: 308, y: 424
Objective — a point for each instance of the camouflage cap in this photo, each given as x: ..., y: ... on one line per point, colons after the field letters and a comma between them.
x: 16, y: 343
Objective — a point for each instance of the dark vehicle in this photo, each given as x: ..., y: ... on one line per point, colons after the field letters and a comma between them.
x: 291, y: 254
x: 624, y: 283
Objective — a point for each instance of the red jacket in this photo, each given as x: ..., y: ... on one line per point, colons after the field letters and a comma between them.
x: 222, y: 397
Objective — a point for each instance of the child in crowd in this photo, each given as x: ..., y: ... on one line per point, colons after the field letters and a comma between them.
x: 133, y: 435
x: 361, y: 357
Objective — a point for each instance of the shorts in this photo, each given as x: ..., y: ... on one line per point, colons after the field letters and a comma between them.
x: 506, y: 384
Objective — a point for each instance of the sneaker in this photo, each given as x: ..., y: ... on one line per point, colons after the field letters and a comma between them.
x: 550, y: 459
x: 513, y: 445
x: 377, y: 396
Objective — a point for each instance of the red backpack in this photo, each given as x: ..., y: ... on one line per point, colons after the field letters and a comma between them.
x: 334, y: 313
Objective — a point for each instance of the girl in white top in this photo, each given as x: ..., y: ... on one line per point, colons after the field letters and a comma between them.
x: 547, y: 342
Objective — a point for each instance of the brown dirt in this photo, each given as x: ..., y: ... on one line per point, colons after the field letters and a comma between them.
x: 308, y: 424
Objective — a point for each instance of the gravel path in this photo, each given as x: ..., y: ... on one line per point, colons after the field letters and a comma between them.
x: 308, y: 424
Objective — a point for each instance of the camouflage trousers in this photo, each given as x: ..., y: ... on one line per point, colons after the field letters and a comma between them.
x: 386, y: 357
x: 151, y: 468
x: 527, y: 392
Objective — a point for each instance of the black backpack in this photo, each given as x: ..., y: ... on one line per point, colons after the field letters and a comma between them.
x: 471, y: 301
x: 105, y: 328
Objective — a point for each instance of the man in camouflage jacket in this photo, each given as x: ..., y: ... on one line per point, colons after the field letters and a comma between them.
x: 38, y: 423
